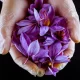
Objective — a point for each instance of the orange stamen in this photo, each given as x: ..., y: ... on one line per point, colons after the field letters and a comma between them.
x: 47, y: 22
x: 50, y: 64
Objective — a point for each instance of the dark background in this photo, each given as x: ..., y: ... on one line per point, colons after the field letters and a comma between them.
x: 9, y: 70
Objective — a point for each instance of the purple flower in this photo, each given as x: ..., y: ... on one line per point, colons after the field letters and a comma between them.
x: 44, y: 18
x: 37, y: 5
x: 42, y: 37
x: 56, y: 55
x: 52, y: 71
x: 59, y: 30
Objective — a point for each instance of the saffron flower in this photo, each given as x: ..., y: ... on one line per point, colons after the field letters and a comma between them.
x: 42, y: 37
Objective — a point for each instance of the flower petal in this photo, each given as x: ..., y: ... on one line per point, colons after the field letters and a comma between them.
x: 46, y: 7
x: 65, y: 46
x: 51, y: 13
x: 61, y: 59
x: 43, y: 30
x: 42, y: 54
x: 17, y: 44
x: 56, y: 28
x: 31, y: 10
x: 21, y: 49
x: 23, y: 23
x: 33, y: 48
x: 25, y: 41
x: 55, y: 49
x: 24, y: 29
x: 60, y: 21
x: 49, y: 41
x: 51, y: 71
x: 31, y: 18
x: 36, y: 14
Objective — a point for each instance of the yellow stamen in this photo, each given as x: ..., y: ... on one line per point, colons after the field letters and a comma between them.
x: 50, y: 64
x: 47, y: 22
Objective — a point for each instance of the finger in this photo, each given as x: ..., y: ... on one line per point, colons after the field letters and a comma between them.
x: 68, y: 52
x: 19, y: 59
x: 11, y: 13
x: 68, y: 10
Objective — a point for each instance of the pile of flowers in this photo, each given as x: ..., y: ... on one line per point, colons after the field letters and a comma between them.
x: 42, y: 37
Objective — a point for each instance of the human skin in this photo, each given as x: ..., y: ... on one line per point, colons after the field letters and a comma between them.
x: 12, y: 12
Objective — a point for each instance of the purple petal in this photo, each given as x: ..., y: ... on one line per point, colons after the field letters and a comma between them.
x: 35, y: 30
x: 43, y: 30
x: 56, y: 28
x: 32, y: 6
x: 53, y: 35
x: 31, y: 18
x: 24, y: 23
x: 33, y: 48
x: 49, y: 41
x: 64, y: 47
x: 31, y: 10
x: 49, y: 10
x: 42, y: 54
x: 60, y: 21
x: 36, y: 14
x: 42, y: 12
x: 46, y: 7
x: 21, y: 49
x: 25, y: 41
x: 51, y: 71
x: 66, y: 37
x: 24, y: 29
x: 55, y: 49
x: 51, y: 13
x: 61, y: 59
x: 44, y: 60
x: 17, y: 44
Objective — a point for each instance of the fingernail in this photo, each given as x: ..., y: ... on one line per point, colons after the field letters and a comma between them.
x: 1, y: 46
x: 40, y: 73
x: 5, y: 47
x: 33, y: 72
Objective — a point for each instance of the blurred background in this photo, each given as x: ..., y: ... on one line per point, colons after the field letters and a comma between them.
x: 9, y: 70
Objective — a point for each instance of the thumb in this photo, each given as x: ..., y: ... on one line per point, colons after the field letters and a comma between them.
x: 10, y: 14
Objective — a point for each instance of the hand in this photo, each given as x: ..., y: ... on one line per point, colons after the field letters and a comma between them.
x: 20, y: 60
x: 66, y: 8
x: 12, y: 12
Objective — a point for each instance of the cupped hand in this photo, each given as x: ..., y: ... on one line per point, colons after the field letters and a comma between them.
x: 66, y: 8
x: 15, y: 10
x: 24, y: 63
x: 12, y: 12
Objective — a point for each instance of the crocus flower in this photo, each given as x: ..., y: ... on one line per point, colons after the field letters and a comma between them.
x: 37, y: 5
x: 56, y: 56
x: 59, y: 30
x: 42, y: 37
